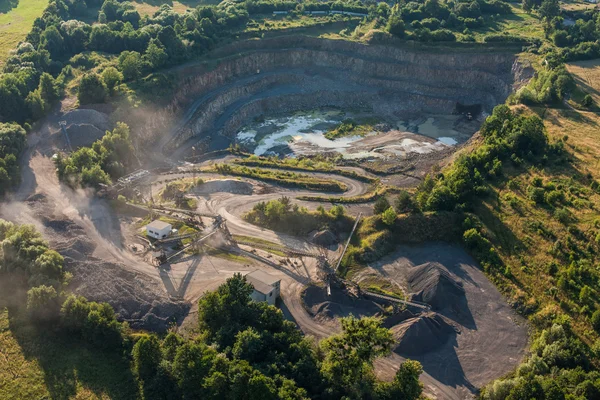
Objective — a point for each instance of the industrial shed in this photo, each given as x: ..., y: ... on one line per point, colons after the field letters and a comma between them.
x: 266, y: 287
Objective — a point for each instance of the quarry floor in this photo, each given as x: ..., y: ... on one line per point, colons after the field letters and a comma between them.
x: 95, y: 241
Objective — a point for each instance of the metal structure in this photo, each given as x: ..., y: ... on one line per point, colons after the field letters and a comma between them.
x: 418, y: 304
x: 63, y: 128
x: 348, y: 242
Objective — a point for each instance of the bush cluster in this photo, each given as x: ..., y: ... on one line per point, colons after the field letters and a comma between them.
x: 283, y: 216
x: 109, y: 157
x: 508, y: 137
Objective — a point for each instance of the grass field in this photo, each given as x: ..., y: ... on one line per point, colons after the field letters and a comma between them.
x: 587, y: 77
x: 42, y: 366
x: 525, y: 233
x: 518, y: 23
x: 151, y: 6
x: 16, y: 24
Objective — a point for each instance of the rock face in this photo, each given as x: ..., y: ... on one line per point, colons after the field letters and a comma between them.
x: 295, y: 72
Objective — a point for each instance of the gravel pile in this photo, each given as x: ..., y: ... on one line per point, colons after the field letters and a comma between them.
x: 432, y: 284
x: 339, y: 304
x: 423, y: 334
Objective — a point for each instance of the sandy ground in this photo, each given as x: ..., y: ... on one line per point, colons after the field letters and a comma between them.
x: 491, y: 338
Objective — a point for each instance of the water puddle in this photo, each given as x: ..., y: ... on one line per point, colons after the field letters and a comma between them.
x: 303, y: 133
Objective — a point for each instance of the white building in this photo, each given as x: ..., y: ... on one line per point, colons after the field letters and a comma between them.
x: 266, y: 287
x: 158, y: 229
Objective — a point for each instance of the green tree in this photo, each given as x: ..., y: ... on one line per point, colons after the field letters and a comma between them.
x: 381, y: 205
x: 395, y: 26
x: 147, y: 356
x: 155, y: 54
x: 130, y: 63
x: 406, y: 385
x: 586, y: 295
x: 92, y: 89
x: 42, y: 303
x: 596, y: 320
x: 549, y: 9
x: 48, y: 88
x: 112, y: 77
x: 348, y: 357
x: 389, y: 216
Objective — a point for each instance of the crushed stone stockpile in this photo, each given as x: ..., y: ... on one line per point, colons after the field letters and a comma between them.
x: 432, y: 284
x: 84, y: 126
x: 136, y: 298
x: 323, y: 238
x: 423, y: 334
x: 339, y: 304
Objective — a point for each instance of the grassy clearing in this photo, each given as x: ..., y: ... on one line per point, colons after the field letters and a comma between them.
x: 303, y: 164
x: 529, y: 235
x: 351, y: 127
x: 16, y: 24
x: 264, y: 23
x: 518, y: 23
x: 587, y: 78
x: 42, y: 366
x: 381, y: 285
x: 226, y: 255
x: 151, y: 6
x: 262, y: 243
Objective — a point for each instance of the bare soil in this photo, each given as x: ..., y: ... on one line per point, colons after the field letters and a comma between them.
x: 490, y: 338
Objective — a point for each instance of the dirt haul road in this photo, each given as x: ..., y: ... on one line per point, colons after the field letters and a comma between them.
x: 90, y: 236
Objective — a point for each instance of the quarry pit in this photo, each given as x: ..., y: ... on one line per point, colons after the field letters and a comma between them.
x: 278, y: 96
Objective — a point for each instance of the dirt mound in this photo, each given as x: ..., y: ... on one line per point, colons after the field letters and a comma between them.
x: 89, y: 117
x: 397, y: 318
x: 339, y: 304
x: 225, y: 185
x: 422, y: 334
x: 324, y: 238
x: 82, y: 135
x: 136, y: 298
x: 432, y: 284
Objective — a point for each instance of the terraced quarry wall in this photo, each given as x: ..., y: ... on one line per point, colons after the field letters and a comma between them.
x: 291, y: 73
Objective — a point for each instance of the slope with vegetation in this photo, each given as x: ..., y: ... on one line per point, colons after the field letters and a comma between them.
x: 524, y: 200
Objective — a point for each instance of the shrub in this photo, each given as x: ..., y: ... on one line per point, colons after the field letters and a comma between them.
x: 596, y: 320
x: 536, y: 194
x: 389, y: 216
x: 381, y: 204
x: 404, y: 202
x: 562, y: 215
x: 92, y: 89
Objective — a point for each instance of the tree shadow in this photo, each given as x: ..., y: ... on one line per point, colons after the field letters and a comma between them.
x: 443, y: 365
x: 7, y: 5
x: 69, y: 364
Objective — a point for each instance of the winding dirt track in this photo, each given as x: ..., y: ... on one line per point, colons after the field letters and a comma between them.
x: 233, y: 206
x: 191, y: 279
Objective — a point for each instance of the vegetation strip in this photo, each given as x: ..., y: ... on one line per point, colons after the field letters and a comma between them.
x: 307, y: 165
x: 289, y: 179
